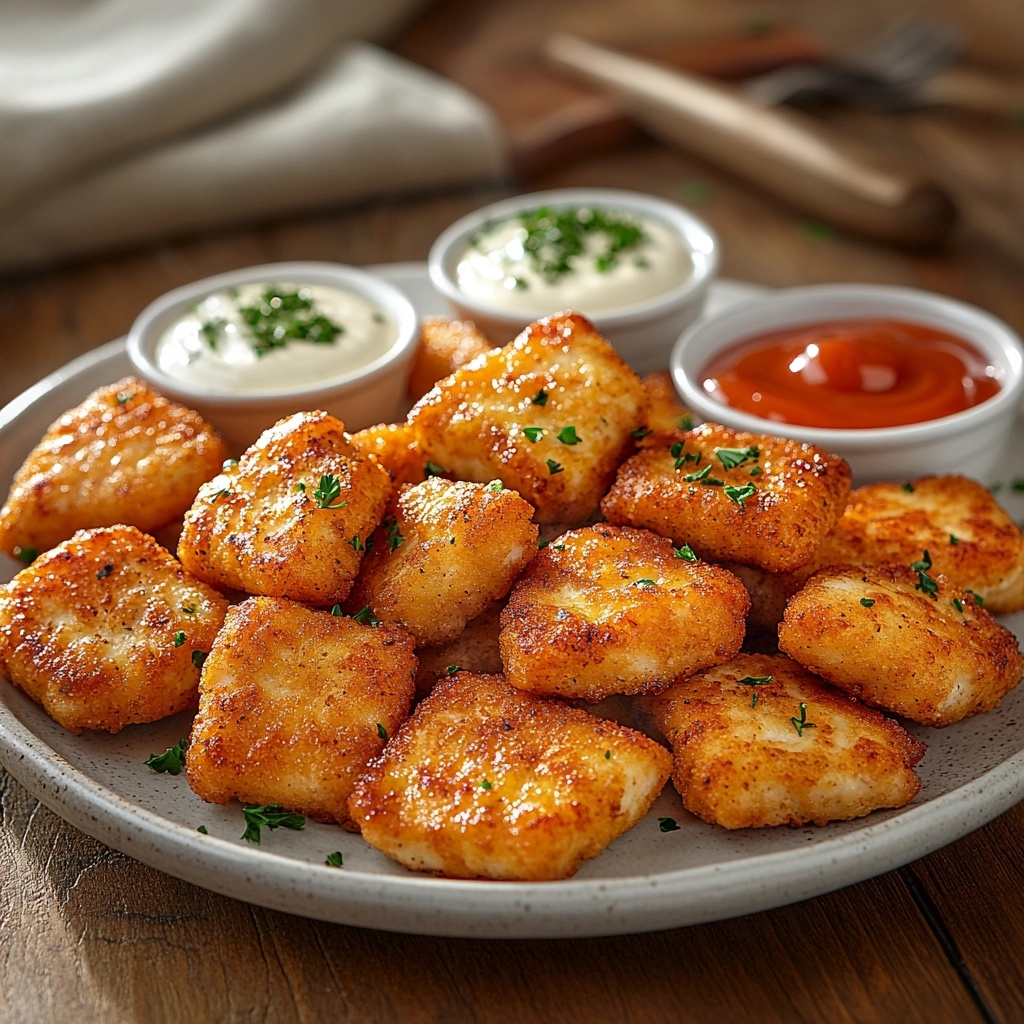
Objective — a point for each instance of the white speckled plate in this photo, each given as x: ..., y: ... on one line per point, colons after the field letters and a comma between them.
x: 644, y: 881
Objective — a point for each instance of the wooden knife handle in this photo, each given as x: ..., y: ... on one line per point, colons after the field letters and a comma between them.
x: 784, y: 152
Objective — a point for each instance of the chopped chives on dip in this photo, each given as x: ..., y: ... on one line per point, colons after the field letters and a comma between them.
x: 270, y: 335
x: 589, y: 258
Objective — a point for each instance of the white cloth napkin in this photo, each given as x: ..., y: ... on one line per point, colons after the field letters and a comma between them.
x: 126, y: 120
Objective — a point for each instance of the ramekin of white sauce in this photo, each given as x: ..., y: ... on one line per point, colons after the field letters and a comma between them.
x: 251, y: 346
x: 638, y: 266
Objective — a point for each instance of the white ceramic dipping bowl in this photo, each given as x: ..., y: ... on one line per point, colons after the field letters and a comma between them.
x: 642, y: 333
x: 371, y: 394
x: 969, y: 442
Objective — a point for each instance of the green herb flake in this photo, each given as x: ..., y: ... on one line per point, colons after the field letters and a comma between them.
x: 867, y: 601
x: 607, y: 755
x: 755, y: 471
x: 25, y: 554
x: 382, y: 733
x: 996, y: 487
x: 978, y: 599
x: 212, y: 498
x: 533, y: 434
x: 202, y: 829
x: 568, y: 435
x: 740, y: 494
x: 908, y: 487
x: 645, y: 583
x: 123, y: 397
x: 394, y: 534
x: 801, y: 723
x: 229, y: 464
x: 686, y: 553
x: 433, y: 469
x: 211, y: 331
x: 640, y: 433
x: 452, y: 669
x: 103, y: 573
x: 924, y: 582
x: 958, y: 605
x: 199, y: 658
x: 698, y: 476
x: 554, y: 467
x: 328, y: 492
x: 685, y: 422
x: 542, y: 544
x: 668, y: 824
x: 268, y: 816
x: 731, y: 458
x: 1017, y: 484
x: 179, y: 638
x: 336, y: 611
x: 541, y: 398
x: 333, y: 860
x: 279, y: 317
x: 486, y: 784
x: 366, y: 617
x: 954, y: 539
x: 300, y: 487
x: 171, y: 761
x: 357, y: 543
x: 496, y: 485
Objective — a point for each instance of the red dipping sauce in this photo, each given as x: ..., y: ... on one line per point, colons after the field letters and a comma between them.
x: 851, y: 374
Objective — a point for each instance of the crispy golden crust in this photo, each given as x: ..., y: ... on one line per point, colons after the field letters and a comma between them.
x: 611, y: 609
x: 475, y: 649
x: 89, y: 630
x: 931, y: 660
x: 972, y: 541
x: 477, y: 423
x: 445, y: 345
x: 741, y: 761
x: 487, y: 782
x: 665, y: 413
x: 258, y: 528
x: 395, y: 447
x: 445, y: 550
x: 799, y: 491
x: 125, y: 455
x: 291, y: 705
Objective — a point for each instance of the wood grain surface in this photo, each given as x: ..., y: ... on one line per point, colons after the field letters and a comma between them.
x: 88, y: 935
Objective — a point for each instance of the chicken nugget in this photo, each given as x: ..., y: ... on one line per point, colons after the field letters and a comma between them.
x: 107, y: 629
x: 609, y: 609
x: 445, y: 345
x: 484, y: 781
x: 395, y: 447
x: 550, y: 415
x: 973, y: 542
x: 293, y: 703
x: 760, y: 741
x: 291, y: 517
x: 125, y: 455
x: 445, y: 550
x: 733, y: 496
x: 903, y: 640
x: 665, y: 413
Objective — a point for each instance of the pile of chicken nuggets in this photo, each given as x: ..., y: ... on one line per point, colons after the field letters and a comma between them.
x: 487, y: 636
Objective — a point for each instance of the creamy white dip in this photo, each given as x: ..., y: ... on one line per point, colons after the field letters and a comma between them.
x: 213, y: 344
x: 499, y: 268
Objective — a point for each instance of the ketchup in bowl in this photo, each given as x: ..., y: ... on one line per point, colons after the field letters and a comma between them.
x: 849, y: 374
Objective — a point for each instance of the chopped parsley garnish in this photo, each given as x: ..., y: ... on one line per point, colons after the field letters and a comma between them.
x: 496, y: 485
x: 685, y: 422
x: 958, y: 605
x: 212, y: 498
x: 533, y: 434
x: 867, y: 601
x: 395, y: 538
x: 328, y: 492
x: 211, y: 330
x: 179, y: 638
x: 668, y: 824
x: 554, y: 467
x: 542, y: 544
x: 645, y: 583
x: 333, y: 860
x: 357, y: 543
x: 753, y: 681
x: 382, y: 733
x: 909, y: 488
x: 202, y: 829
x: 740, y: 494
x: 199, y: 658
x: 541, y: 398
x: 300, y: 487
x: 486, y: 784
x: 978, y: 599
x: 568, y: 435
x: 171, y: 761
x: 452, y: 669
x: 105, y: 571
x: 699, y: 475
x: 25, y: 554
x: 640, y: 433
x: 607, y: 755
x: 685, y: 553
x: 433, y: 469
x: 280, y: 317
x: 954, y: 539
x: 336, y: 610
x: 366, y: 617
x: 924, y: 582
x: 1017, y: 483
x: 755, y: 470
x: 730, y: 458
x: 268, y: 816
x: 801, y: 723
x: 124, y: 397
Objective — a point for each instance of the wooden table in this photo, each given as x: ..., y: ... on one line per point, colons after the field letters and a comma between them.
x: 86, y: 934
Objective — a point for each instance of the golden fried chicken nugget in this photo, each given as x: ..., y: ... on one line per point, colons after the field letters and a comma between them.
x: 485, y: 781
x: 107, y: 629
x: 445, y: 345
x: 903, y: 640
x: 291, y: 518
x: 550, y: 415
x: 445, y: 550
x: 293, y: 703
x: 760, y: 741
x: 125, y: 455
x: 395, y: 447
x: 738, y: 497
x: 972, y: 541
x: 475, y: 649
x: 610, y: 609
x: 665, y: 414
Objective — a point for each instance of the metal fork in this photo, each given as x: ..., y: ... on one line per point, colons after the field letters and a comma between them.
x: 883, y: 74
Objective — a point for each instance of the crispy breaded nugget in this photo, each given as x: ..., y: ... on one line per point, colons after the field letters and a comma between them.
x: 971, y: 539
x: 395, y: 447
x: 101, y: 630
x: 293, y: 703
x: 475, y: 649
x: 485, y: 781
x: 769, y: 592
x: 291, y: 518
x: 550, y: 415
x: 903, y: 640
x: 733, y: 496
x: 125, y: 455
x: 665, y: 414
x: 445, y: 550
x: 611, y: 609
x: 759, y: 741
x: 445, y: 345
